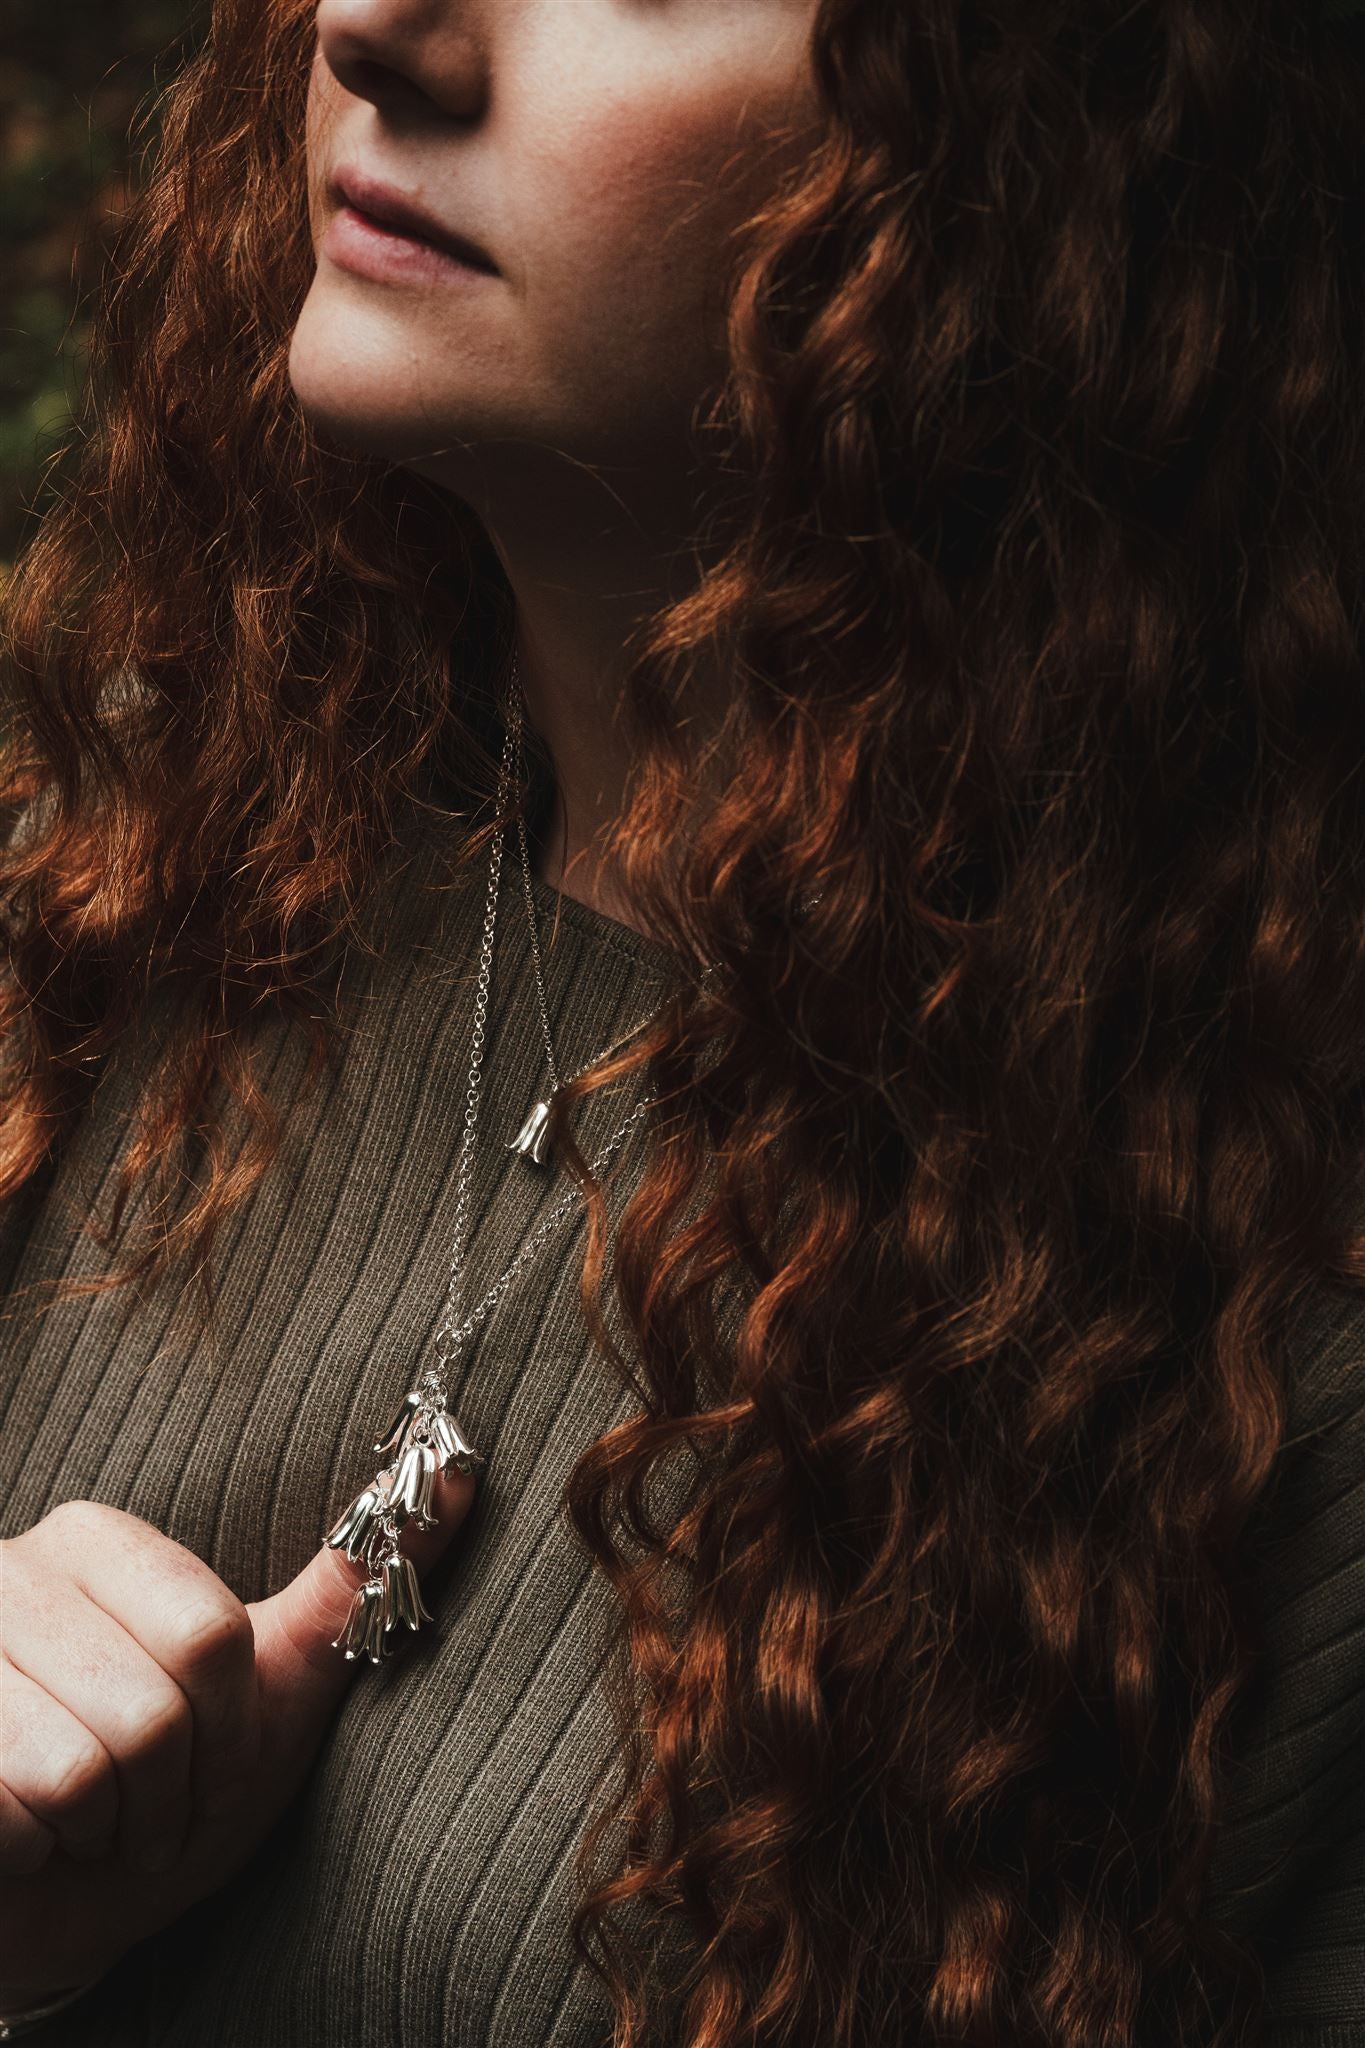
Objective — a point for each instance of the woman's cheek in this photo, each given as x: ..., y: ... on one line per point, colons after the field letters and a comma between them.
x: 652, y: 201
x: 633, y: 334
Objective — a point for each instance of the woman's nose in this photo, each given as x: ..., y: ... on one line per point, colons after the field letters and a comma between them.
x: 394, y: 51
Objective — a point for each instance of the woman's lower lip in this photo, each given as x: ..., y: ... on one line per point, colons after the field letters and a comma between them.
x: 355, y: 242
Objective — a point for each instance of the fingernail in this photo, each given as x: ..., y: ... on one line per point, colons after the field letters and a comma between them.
x: 158, y: 1856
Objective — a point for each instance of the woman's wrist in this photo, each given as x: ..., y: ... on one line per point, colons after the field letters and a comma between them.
x: 14, y: 2023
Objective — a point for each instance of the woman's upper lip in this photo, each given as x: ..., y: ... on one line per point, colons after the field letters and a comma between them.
x: 392, y: 209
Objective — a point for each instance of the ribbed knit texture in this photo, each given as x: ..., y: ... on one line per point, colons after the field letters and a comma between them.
x: 418, y: 1890
x: 1290, y: 1866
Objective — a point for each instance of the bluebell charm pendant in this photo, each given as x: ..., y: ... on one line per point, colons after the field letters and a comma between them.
x: 422, y: 1439
x: 533, y: 1139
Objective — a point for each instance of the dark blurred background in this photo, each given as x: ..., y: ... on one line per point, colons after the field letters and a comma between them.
x: 72, y: 75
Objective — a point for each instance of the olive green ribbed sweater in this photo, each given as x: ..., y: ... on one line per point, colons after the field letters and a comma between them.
x: 418, y: 1891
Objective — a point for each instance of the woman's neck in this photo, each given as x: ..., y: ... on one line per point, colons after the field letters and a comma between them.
x: 571, y: 706
x: 586, y: 562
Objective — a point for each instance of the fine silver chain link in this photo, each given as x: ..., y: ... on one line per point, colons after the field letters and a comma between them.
x: 536, y: 960
x: 452, y: 1331
x: 532, y: 921
x: 452, y: 1334
x: 533, y: 924
x: 545, y: 1229
x: 424, y: 1437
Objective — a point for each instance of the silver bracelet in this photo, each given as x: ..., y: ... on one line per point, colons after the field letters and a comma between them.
x: 13, y: 2024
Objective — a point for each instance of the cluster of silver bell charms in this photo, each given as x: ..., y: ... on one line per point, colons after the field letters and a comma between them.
x: 422, y: 1439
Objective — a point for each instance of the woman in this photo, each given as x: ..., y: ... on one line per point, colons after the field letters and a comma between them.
x: 683, y: 779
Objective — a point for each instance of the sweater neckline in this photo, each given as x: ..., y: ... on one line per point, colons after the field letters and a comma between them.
x: 553, y: 908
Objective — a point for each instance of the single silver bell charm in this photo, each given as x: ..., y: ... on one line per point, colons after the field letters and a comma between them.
x: 363, y: 1520
x: 533, y: 1139
x: 411, y: 1497
x: 363, y: 1634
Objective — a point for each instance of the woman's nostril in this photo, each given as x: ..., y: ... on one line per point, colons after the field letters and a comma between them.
x: 399, y: 63
x: 366, y: 78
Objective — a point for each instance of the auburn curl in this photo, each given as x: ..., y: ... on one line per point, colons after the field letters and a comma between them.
x: 982, y: 1192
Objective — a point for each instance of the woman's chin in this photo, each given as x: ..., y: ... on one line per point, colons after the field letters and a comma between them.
x: 364, y: 399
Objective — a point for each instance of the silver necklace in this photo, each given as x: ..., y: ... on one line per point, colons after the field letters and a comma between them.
x: 424, y: 1436
x: 532, y: 1141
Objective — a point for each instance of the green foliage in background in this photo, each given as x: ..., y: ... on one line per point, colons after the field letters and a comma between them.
x: 72, y: 75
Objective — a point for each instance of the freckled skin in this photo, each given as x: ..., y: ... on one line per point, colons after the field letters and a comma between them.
x: 602, y: 151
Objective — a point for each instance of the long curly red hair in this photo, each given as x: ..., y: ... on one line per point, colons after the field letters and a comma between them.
x: 1018, y: 1149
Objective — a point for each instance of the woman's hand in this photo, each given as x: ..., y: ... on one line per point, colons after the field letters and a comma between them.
x: 152, y: 1727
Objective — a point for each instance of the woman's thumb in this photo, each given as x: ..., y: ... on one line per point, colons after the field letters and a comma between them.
x: 301, y: 1672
